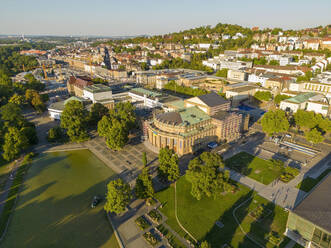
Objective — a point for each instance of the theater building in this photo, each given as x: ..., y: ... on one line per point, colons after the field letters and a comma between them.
x: 194, y: 122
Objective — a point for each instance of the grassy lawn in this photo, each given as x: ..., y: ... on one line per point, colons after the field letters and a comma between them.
x: 254, y: 167
x: 54, y: 206
x: 4, y: 173
x: 308, y: 183
x: 199, y: 217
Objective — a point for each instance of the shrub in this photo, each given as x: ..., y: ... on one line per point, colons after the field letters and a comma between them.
x: 155, y: 215
x: 150, y: 238
x: 142, y: 223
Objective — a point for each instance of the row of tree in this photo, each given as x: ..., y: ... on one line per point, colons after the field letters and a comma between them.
x: 173, y: 86
x: 16, y: 133
x: 314, y: 125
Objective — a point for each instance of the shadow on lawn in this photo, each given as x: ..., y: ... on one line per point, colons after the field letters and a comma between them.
x: 240, y: 163
x: 59, y: 222
x: 218, y: 237
x: 260, y: 228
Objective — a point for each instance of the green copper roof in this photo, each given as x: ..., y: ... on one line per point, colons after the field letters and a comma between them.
x: 73, y: 98
x: 177, y: 104
x: 192, y: 115
x: 146, y: 92
x: 301, y: 97
x: 95, y: 88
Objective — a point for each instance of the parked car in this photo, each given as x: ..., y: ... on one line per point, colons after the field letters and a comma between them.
x: 212, y: 145
x: 96, y: 200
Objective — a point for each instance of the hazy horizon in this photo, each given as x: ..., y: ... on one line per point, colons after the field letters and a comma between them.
x: 146, y: 17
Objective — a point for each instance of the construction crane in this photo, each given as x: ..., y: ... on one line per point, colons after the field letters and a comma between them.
x: 45, y: 73
x: 43, y: 67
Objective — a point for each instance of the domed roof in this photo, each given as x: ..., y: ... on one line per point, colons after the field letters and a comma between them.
x: 173, y: 118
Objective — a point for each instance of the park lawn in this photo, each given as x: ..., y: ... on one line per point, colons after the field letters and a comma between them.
x: 5, y: 168
x: 53, y: 209
x: 309, y: 183
x: 256, y: 168
x: 199, y: 217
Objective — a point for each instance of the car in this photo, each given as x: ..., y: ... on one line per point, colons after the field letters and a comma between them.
x: 288, y: 135
x: 96, y: 200
x: 212, y: 145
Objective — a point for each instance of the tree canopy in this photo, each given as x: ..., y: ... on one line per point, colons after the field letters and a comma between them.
x: 115, y: 127
x: 263, y: 95
x: 118, y: 196
x: 144, y: 185
x: 168, y: 168
x: 205, y: 176
x: 314, y: 136
x: 74, y: 120
x: 274, y: 122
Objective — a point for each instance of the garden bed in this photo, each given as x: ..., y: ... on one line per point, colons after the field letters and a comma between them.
x: 151, y: 238
x: 155, y: 216
x: 142, y: 223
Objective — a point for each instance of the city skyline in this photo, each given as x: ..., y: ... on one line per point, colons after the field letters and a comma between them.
x: 111, y: 18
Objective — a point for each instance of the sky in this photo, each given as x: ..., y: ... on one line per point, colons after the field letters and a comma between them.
x: 137, y: 17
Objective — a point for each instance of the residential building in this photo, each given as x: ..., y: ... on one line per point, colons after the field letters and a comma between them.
x: 75, y: 85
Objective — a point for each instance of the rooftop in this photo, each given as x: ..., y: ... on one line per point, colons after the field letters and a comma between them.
x: 184, y: 117
x: 301, y: 98
x: 95, y: 88
x: 316, y: 206
x: 212, y: 99
x: 146, y: 92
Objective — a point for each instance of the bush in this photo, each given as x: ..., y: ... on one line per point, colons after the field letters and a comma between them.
x: 150, y: 238
x: 56, y: 134
x: 288, y: 174
x: 142, y: 223
x: 28, y: 158
x: 155, y: 215
x: 263, y: 95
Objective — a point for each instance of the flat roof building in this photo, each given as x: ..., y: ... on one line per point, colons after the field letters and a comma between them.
x: 309, y: 224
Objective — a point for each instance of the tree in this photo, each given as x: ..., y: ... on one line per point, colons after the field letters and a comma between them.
x: 222, y: 73
x: 74, y: 120
x: 274, y: 122
x: 280, y: 98
x: 144, y: 66
x: 55, y: 134
x: 205, y: 177
x: 205, y: 244
x: 144, y: 159
x: 263, y: 95
x: 11, y: 114
x: 114, y: 131
x: 96, y: 113
x: 14, y: 142
x: 314, y: 136
x: 168, y: 168
x: 144, y: 185
x: 115, y: 127
x: 33, y: 97
x: 304, y: 119
x: 117, y: 136
x: 118, y: 196
x: 5, y: 79
x: 17, y: 99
